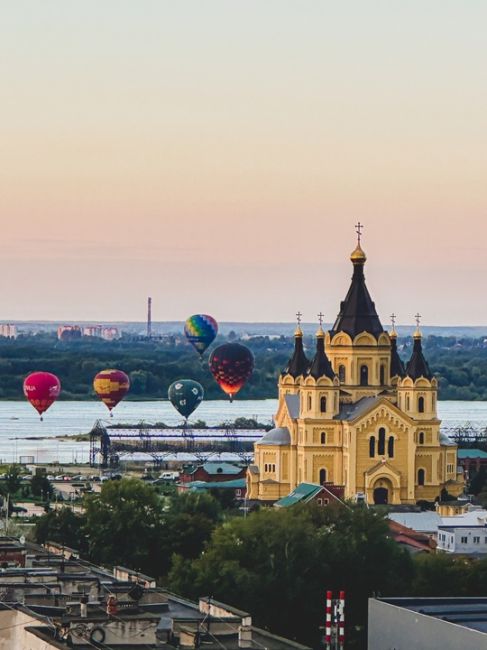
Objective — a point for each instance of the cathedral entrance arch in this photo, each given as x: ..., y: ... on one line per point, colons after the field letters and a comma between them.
x: 382, y: 491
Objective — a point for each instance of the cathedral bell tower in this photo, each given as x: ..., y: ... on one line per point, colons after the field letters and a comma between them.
x: 417, y: 390
x: 358, y: 347
x: 297, y: 366
x: 320, y: 388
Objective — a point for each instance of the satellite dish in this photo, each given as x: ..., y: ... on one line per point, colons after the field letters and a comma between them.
x: 22, y: 540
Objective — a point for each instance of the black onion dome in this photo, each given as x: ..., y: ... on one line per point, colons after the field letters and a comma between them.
x: 357, y: 311
x: 397, y: 365
x: 298, y: 364
x: 321, y: 366
x: 417, y: 365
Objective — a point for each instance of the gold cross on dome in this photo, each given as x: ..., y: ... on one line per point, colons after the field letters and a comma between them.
x: 393, y: 320
x: 418, y: 319
x: 298, y: 317
x: 320, y: 318
x: 358, y: 230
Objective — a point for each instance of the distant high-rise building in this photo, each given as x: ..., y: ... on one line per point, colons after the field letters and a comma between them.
x: 67, y: 332
x: 110, y: 333
x: 8, y: 331
x: 92, y: 330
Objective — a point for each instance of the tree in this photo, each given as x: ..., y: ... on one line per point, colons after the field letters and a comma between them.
x: 124, y: 525
x: 40, y: 486
x: 477, y: 484
x: 12, y: 479
x: 278, y: 563
x: 62, y: 526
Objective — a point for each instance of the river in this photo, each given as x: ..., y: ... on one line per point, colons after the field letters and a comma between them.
x: 23, y: 434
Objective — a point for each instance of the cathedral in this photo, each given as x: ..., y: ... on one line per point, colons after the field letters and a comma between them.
x: 355, y: 416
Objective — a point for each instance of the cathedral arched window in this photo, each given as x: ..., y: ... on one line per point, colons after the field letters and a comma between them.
x: 390, y: 447
x: 420, y: 476
x: 372, y: 446
x: 265, y: 467
x: 341, y: 373
x: 309, y: 402
x: 421, y: 438
x: 382, y: 375
x: 323, y: 404
x: 381, y: 447
x: 322, y: 476
x: 364, y: 375
x: 421, y: 404
x: 407, y: 402
x: 323, y: 437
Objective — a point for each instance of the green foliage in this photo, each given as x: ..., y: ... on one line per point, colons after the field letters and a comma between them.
x: 128, y: 524
x: 12, y: 479
x: 62, y: 526
x: 277, y: 564
x: 477, y: 483
x: 461, y: 365
x: 40, y: 486
x: 123, y: 523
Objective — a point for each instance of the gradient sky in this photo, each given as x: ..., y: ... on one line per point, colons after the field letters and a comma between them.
x: 216, y: 154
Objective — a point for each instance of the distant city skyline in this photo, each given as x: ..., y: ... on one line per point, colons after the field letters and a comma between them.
x: 217, y: 155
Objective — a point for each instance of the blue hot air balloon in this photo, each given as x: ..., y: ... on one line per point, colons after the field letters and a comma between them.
x: 200, y: 330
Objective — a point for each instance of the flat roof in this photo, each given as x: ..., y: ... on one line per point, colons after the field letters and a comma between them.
x: 467, y: 612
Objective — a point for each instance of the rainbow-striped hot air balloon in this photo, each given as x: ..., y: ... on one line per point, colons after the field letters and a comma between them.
x: 200, y: 330
x: 111, y: 386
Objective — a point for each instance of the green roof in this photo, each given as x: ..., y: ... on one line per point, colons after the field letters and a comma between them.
x: 471, y: 453
x: 301, y: 493
x: 203, y: 485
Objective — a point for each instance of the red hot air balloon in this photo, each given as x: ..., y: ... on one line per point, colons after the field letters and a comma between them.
x: 231, y: 364
x: 42, y: 389
x: 111, y: 386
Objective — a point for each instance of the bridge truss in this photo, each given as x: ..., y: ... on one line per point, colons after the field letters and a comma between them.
x: 108, y: 444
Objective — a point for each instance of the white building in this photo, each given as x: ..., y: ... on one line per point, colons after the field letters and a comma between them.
x: 464, y: 533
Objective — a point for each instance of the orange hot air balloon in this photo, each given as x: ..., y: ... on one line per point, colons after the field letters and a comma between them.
x: 111, y: 386
x: 42, y: 389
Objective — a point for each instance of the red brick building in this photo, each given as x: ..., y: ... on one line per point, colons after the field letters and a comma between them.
x: 212, y: 472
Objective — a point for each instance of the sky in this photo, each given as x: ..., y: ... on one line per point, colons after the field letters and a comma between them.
x: 216, y: 155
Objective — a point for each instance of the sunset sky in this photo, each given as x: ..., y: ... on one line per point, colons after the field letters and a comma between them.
x: 216, y: 155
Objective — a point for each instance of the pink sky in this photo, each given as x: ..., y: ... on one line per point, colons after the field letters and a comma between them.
x: 216, y: 155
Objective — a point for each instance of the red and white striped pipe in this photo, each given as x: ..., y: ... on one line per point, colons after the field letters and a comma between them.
x: 341, y: 620
x: 328, y: 620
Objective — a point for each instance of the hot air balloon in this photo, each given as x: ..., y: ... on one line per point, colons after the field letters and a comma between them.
x: 200, y: 330
x: 185, y: 395
x: 111, y: 386
x: 231, y: 364
x: 41, y: 389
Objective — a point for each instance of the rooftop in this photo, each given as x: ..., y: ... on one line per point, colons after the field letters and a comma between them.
x: 471, y: 453
x: 467, y: 612
x: 301, y: 493
x: 69, y: 603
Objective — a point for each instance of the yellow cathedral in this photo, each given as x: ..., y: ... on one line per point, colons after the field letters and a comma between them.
x: 355, y: 416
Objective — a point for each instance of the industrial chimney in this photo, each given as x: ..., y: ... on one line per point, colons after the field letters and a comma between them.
x: 149, y: 317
